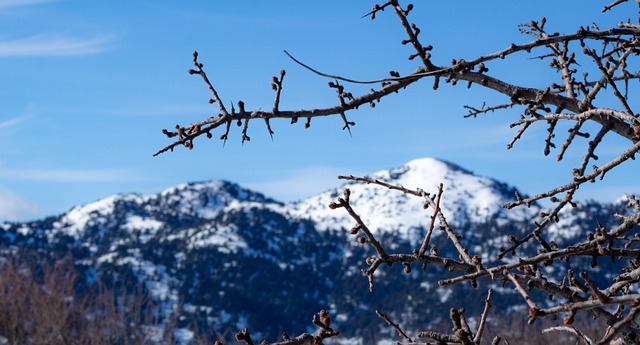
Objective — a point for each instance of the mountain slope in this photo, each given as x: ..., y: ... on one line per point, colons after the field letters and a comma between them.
x: 230, y: 258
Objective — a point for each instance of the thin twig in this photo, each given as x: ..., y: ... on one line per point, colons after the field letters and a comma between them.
x: 394, y: 325
x: 427, y: 238
x: 626, y: 155
x: 580, y: 335
x: 483, y: 318
x: 533, y: 307
x: 619, y: 326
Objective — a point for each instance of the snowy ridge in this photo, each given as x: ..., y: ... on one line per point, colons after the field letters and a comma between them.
x: 74, y: 222
x: 135, y: 213
x: 466, y: 198
x: 206, y: 199
x: 231, y: 253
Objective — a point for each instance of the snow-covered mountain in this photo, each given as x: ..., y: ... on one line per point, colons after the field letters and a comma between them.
x: 237, y: 258
x: 467, y: 198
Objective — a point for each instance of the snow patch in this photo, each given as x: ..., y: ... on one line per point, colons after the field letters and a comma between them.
x: 183, y: 336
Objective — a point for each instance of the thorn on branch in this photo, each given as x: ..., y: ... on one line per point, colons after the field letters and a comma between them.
x: 245, y: 137
x: 376, y: 8
x: 347, y: 124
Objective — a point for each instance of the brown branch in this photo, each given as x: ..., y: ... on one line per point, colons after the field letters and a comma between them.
x: 394, y: 84
x: 604, y: 113
x: 354, y: 81
x: 394, y: 325
x: 518, y: 136
x: 593, y: 144
x: 586, y: 102
x: 579, y: 334
x: 596, y: 292
x: 376, y: 8
x: 412, y: 33
x: 623, y: 280
x: 440, y: 337
x: 447, y: 263
x: 244, y: 336
x: 619, y: 326
x: 626, y: 155
x: 460, y: 327
x: 206, y: 126
x: 444, y: 71
x: 585, y: 248
x: 623, y: 77
x: 551, y: 216
x: 419, y: 192
x: 618, y: 44
x: 202, y: 73
x: 483, y: 318
x: 473, y: 112
x: 590, y: 304
x: 277, y: 87
x: 344, y: 202
x: 427, y: 238
x: 607, y: 75
x: 533, y: 307
x: 513, y: 90
x: 612, y: 5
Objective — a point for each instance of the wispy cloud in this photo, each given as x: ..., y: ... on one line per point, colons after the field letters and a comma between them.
x: 14, y: 207
x: 68, y: 175
x: 12, y: 122
x: 53, y: 45
x: 15, y: 3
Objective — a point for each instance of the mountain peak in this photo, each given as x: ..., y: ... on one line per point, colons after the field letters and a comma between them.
x: 466, y: 198
x: 204, y: 200
x: 425, y: 173
x: 433, y: 163
x: 214, y: 187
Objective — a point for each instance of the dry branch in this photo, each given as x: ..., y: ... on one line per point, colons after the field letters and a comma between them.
x: 573, y: 100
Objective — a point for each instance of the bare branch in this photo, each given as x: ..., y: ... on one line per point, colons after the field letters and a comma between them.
x: 612, y: 5
x: 580, y: 335
x: 394, y: 325
x: 578, y: 180
x: 436, y: 209
x: 619, y: 326
x: 483, y: 318
x: 574, y: 101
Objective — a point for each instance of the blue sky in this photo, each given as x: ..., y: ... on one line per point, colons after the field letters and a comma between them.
x: 87, y: 87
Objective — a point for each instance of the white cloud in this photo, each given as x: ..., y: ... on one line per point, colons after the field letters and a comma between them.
x: 15, y: 3
x: 12, y: 122
x: 303, y: 183
x: 13, y: 207
x: 68, y: 175
x: 53, y: 45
